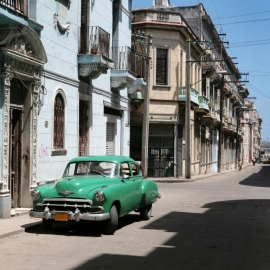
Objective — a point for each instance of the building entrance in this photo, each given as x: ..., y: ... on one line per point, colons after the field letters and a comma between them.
x: 15, y: 157
x: 160, y: 162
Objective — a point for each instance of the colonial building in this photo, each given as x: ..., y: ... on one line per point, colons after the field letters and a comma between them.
x: 167, y: 90
x: 251, y: 126
x: 215, y: 85
x: 65, y: 69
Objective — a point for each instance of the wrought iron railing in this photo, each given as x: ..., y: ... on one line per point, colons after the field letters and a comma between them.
x: 123, y: 57
x: 126, y: 59
x: 94, y: 37
x: 20, y: 6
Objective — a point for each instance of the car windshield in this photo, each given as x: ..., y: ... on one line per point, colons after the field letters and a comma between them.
x: 102, y: 168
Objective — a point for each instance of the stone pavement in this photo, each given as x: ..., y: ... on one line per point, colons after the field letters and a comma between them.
x: 20, y: 220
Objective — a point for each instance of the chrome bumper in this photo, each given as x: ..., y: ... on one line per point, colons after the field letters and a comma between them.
x: 77, y: 215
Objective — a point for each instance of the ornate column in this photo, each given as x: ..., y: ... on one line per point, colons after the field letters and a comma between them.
x: 35, y: 86
x: 5, y: 198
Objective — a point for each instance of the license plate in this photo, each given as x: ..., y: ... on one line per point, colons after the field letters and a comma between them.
x: 61, y: 216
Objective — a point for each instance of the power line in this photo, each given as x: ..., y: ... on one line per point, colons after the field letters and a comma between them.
x: 259, y: 91
x: 259, y: 20
x: 245, y: 42
x: 242, y: 15
x: 246, y: 45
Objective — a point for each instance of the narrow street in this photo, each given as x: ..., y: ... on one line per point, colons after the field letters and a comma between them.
x: 220, y: 223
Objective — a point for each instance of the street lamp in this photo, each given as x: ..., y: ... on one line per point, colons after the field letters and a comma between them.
x: 220, y: 139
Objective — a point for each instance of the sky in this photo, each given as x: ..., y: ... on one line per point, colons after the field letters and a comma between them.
x: 246, y: 24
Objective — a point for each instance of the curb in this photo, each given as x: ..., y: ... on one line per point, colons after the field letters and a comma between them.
x: 23, y: 229
x: 196, y: 177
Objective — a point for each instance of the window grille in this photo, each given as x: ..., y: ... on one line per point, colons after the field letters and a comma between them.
x: 161, y: 69
x: 59, y: 122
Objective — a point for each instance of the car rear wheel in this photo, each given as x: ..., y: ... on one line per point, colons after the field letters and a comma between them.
x: 112, y: 223
x: 47, y: 224
x: 146, y: 212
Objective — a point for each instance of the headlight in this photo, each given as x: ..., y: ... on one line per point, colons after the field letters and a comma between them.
x: 99, y: 196
x: 35, y: 194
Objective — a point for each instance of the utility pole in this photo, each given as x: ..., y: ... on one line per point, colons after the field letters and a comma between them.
x: 220, y: 140
x: 145, y: 128
x: 187, y: 114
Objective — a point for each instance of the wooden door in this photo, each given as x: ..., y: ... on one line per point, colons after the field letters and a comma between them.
x: 15, y: 157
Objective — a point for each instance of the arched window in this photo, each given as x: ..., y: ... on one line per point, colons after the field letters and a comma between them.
x: 59, y: 122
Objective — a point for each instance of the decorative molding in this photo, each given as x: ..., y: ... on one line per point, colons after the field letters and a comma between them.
x: 35, y: 86
x: 121, y: 82
x: 60, y: 78
x: 6, y: 78
x: 23, y: 40
x: 114, y: 105
x: 137, y: 86
x: 61, y: 27
x: 22, y: 67
x: 93, y: 70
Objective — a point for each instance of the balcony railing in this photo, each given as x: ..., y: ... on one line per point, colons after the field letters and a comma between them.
x: 94, y: 37
x: 126, y: 59
x: 194, y: 94
x: 123, y: 57
x: 20, y: 6
x: 203, y: 102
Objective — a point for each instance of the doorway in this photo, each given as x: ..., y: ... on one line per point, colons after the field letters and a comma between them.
x: 160, y: 162
x: 15, y: 157
x: 83, y: 128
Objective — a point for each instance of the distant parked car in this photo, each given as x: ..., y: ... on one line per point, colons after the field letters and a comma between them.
x: 95, y: 188
x: 265, y: 160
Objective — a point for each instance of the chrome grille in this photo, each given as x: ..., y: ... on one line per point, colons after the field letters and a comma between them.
x: 64, y: 204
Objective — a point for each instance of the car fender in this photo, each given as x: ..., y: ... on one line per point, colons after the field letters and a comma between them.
x: 111, y: 197
x: 149, y: 191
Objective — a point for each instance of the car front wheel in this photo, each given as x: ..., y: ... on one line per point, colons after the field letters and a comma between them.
x: 112, y: 223
x: 146, y: 212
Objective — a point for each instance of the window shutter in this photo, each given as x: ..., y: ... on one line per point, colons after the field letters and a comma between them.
x: 110, y: 138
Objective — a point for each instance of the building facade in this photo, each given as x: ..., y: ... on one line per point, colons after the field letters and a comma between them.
x: 216, y: 93
x: 167, y: 91
x: 66, y: 71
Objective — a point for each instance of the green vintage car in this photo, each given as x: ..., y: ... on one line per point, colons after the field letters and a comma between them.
x: 95, y: 188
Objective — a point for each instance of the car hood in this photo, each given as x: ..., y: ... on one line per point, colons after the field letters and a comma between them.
x: 78, y: 187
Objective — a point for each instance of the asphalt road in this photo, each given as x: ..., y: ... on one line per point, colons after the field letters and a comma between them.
x: 219, y: 223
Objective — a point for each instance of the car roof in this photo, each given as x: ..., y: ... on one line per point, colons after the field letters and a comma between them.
x: 106, y: 158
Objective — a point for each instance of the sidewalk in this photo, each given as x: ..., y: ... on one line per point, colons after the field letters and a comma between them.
x: 194, y: 177
x: 20, y: 220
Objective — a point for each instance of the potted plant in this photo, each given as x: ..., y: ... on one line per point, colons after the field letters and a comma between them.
x: 94, y: 48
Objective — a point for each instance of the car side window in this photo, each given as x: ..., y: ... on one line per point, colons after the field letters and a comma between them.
x: 135, y: 169
x: 124, y: 169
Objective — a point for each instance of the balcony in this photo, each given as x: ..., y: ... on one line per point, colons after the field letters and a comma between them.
x: 19, y: 6
x: 194, y: 95
x: 203, y: 103
x: 126, y: 64
x: 94, y: 57
x: 211, y: 119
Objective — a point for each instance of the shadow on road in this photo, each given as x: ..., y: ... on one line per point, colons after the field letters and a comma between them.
x: 260, y: 179
x: 84, y: 229
x: 228, y: 235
